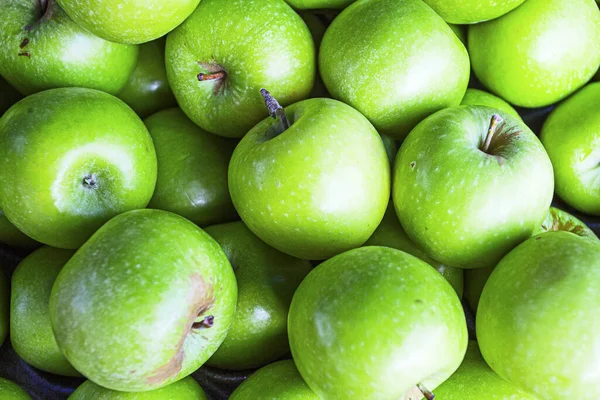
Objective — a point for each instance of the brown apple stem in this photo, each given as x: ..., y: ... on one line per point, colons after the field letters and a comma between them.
x: 275, y: 109
x: 426, y: 392
x: 496, y: 120
x: 207, y: 322
x: 213, y: 76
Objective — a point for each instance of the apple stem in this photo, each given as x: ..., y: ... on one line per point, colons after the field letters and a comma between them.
x: 213, y: 76
x: 426, y: 392
x: 275, y: 109
x: 207, y: 322
x: 496, y: 120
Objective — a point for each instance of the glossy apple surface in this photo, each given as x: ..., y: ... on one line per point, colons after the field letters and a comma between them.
x: 472, y: 11
x: 476, y: 97
x: 185, y: 389
x: 11, y: 391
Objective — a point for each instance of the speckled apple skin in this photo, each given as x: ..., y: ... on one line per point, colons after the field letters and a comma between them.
x: 11, y: 391
x: 185, y: 389
x: 60, y: 53
x: 471, y: 12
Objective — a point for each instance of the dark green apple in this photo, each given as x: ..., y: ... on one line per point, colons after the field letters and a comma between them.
x: 70, y: 159
x: 472, y: 11
x: 476, y: 97
x: 144, y: 302
x: 267, y: 280
x: 4, y: 307
x: 8, y: 95
x: 42, y: 48
x: 319, y: 4
x: 185, y: 389
x: 192, y: 169
x: 10, y: 235
x: 11, y: 391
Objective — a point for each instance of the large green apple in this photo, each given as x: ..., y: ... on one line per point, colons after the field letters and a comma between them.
x: 220, y: 58
x: 267, y: 280
x: 10, y: 235
x: 11, y: 391
x: 144, y: 302
x: 571, y: 136
x: 4, y: 307
x: 192, y: 169
x: 539, y: 53
x: 395, y: 61
x: 319, y: 4
x: 131, y: 21
x: 42, y: 48
x: 185, y: 389
x: 538, y: 321
x: 279, y: 380
x: 30, y: 330
x: 70, y: 159
x: 376, y: 323
x: 472, y: 11
x: 8, y: 95
x: 455, y: 183
x: 316, y: 189
x: 476, y: 97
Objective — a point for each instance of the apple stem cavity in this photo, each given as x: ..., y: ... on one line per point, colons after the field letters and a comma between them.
x: 426, y: 392
x: 213, y: 76
x: 275, y: 109
x: 207, y: 322
x: 494, y: 123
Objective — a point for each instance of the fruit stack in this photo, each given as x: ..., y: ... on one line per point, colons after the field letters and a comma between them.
x: 315, y: 193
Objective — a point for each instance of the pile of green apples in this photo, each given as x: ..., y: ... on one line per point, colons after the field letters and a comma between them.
x: 314, y: 190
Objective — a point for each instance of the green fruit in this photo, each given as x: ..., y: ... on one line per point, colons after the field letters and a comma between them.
x: 316, y: 189
x: 88, y: 158
x: 539, y: 53
x: 8, y: 95
x: 236, y: 48
x: 144, y: 302
x: 192, y: 169
x: 571, y: 135
x: 319, y: 4
x: 475, y: 97
x: 4, y: 307
x: 461, y: 33
x: 475, y: 280
x: 472, y: 11
x: 42, y: 48
x: 185, y: 389
x: 267, y: 280
x: 376, y: 58
x: 11, y: 391
x: 455, y: 181
x: 10, y: 235
x: 366, y: 324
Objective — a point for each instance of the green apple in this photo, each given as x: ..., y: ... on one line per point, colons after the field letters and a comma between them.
x: 317, y: 24
x: 571, y: 136
x: 30, y: 330
x: 455, y: 180
x: 476, y: 97
x: 42, y: 48
x: 70, y: 159
x: 147, y: 90
x: 220, y: 58
x: 538, y: 320
x: 192, y: 169
x: 539, y: 53
x: 4, y: 307
x: 376, y: 57
x: 11, y: 236
x: 316, y: 188
x: 390, y: 233
x: 144, y: 302
x: 376, y: 323
x: 185, y: 389
x: 11, y: 391
x: 461, y: 33
x: 8, y: 95
x: 131, y: 21
x: 267, y: 280
x: 279, y: 380
x: 391, y: 148
x: 319, y: 4
x: 472, y: 11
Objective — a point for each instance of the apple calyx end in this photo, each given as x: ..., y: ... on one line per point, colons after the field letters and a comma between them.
x: 207, y: 322
x: 275, y: 109
x: 90, y: 181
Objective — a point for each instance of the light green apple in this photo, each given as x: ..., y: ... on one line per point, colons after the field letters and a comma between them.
x: 70, y: 159
x: 192, y: 169
x: 316, y: 189
x: 42, y: 48
x: 4, y: 307
x: 185, y: 389
x: 571, y: 136
x: 476, y: 97
x: 131, y: 21
x: 455, y: 180
x: 472, y: 11
x: 11, y: 391
x: 538, y: 320
x: 220, y: 58
x: 319, y: 4
x: 461, y: 32
x: 8, y: 95
x: 376, y: 323
x: 144, y: 302
x: 11, y: 236
x: 267, y: 280
x: 394, y: 61
x: 539, y: 53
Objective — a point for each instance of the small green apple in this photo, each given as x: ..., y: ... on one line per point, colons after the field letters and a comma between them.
x: 70, y: 159
x: 376, y: 323
x: 4, y: 307
x: 472, y: 11
x: 185, y: 389
x: 267, y: 280
x: 8, y: 95
x: 539, y: 53
x: 476, y: 97
x: 11, y: 236
x: 11, y: 391
x: 144, y: 302
x: 319, y: 4
x: 192, y: 169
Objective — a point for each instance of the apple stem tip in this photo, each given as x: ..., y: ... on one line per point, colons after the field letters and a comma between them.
x: 213, y: 76
x: 426, y: 392
x: 207, y: 322
x: 494, y: 123
x: 275, y: 109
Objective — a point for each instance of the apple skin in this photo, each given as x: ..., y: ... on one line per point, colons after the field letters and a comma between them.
x: 4, y: 307
x: 11, y: 391
x: 473, y: 11
x: 192, y: 169
x: 185, y: 389
x: 11, y: 236
x: 574, y: 149
x: 132, y: 21
x: 319, y: 4
x: 126, y: 308
x: 407, y: 75
x: 457, y: 201
x: 528, y: 310
x: 317, y: 189
x: 279, y: 380
x: 258, y: 44
x: 476, y: 97
x: 461, y: 33
x: 383, y: 310
x: 61, y: 53
x: 72, y: 134
x: 556, y: 45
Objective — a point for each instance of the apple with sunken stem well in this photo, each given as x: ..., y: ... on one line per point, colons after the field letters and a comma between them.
x: 185, y: 389
x: 407, y: 74
x: 472, y: 11
x: 11, y: 236
x: 11, y: 391
x: 42, y: 48
x: 312, y: 182
x: 227, y: 50
x: 538, y: 320
x: 455, y: 181
x: 267, y: 280
x: 144, y: 302
x: 556, y: 45
x: 381, y: 309
x: 476, y: 97
x: 4, y: 307
x: 88, y: 158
